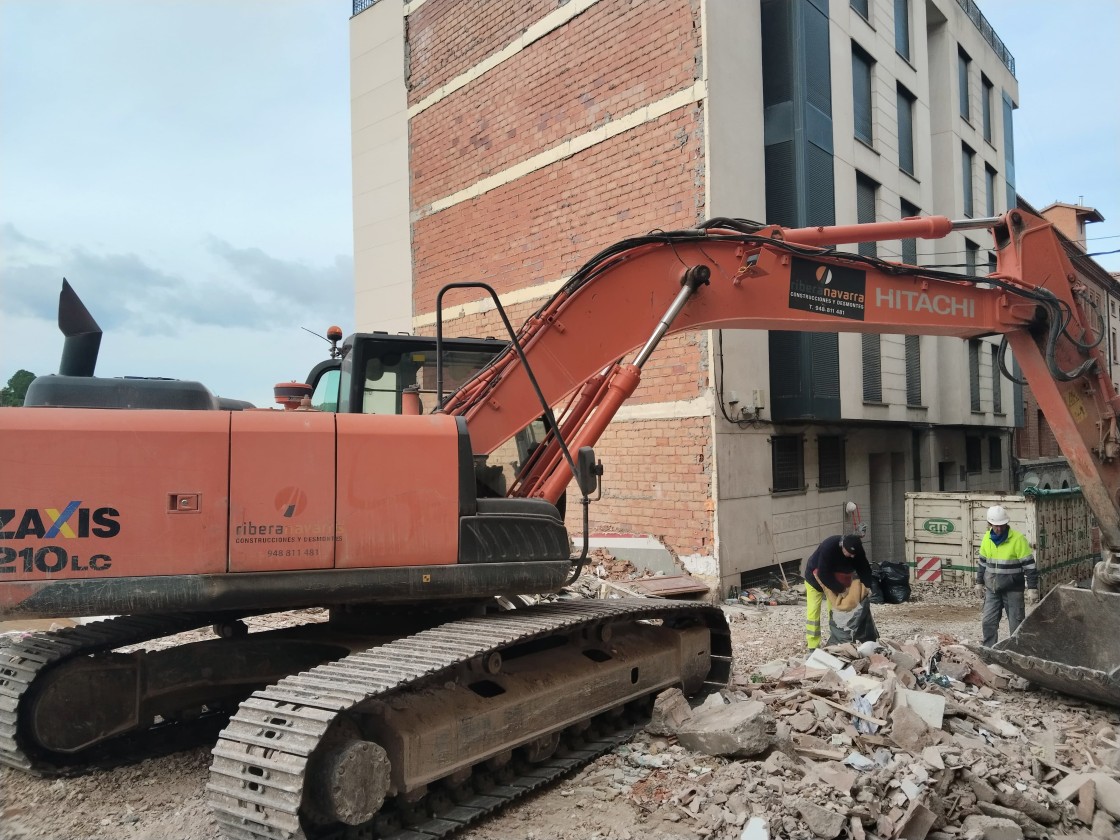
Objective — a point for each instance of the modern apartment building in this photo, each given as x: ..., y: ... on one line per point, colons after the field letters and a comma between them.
x: 508, y: 142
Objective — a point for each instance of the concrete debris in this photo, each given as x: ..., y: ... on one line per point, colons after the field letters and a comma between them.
x: 823, y: 822
x: 670, y: 711
x: 756, y: 829
x: 740, y: 730
x: 901, y: 740
x: 979, y: 827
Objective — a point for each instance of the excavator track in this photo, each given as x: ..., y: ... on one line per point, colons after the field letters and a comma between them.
x: 298, y: 760
x: 24, y: 662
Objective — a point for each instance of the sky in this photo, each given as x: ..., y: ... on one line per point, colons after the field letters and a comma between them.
x: 186, y: 165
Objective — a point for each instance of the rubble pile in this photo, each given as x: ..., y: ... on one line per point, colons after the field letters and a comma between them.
x: 918, y: 740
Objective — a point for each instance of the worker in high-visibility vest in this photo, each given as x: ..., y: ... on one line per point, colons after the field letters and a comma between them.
x: 1006, y: 576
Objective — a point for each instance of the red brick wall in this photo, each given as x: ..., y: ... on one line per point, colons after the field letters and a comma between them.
x: 544, y: 225
x: 604, y: 63
x: 657, y: 480
x: 1036, y: 439
x: 447, y: 37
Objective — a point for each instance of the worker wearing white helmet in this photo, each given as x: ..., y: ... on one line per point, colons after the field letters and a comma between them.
x: 1006, y: 575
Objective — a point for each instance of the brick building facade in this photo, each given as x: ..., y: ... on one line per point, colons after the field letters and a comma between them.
x: 509, y: 142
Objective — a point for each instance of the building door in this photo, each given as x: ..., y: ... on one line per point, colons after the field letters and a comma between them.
x: 887, y: 472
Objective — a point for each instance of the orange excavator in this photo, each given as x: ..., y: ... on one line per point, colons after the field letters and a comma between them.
x: 418, y: 707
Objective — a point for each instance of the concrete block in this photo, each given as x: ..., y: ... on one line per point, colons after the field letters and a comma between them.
x: 740, y: 730
x: 821, y: 821
x: 670, y: 711
x: 990, y: 828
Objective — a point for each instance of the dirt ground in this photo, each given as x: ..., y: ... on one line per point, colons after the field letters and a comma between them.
x: 612, y: 799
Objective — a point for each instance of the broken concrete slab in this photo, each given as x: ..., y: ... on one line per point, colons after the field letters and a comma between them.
x: 908, y: 730
x: 990, y: 828
x: 1107, y: 790
x: 932, y: 756
x: 1031, y: 829
x: 1086, y: 802
x: 916, y: 823
x: 670, y: 710
x: 820, y: 659
x: 929, y: 707
x: 823, y: 822
x: 740, y: 730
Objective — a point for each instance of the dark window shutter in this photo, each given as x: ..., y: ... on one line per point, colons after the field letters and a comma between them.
x: 995, y: 453
x: 865, y: 210
x: 974, y: 373
x: 825, y: 350
x: 997, y: 394
x: 966, y: 178
x: 986, y: 107
x: 872, y: 368
x: 972, y: 462
x: 909, y: 246
x: 861, y: 94
x: 913, y: 370
x: 787, y: 463
x: 902, y: 28
x: 963, y: 64
x: 905, y: 130
x: 832, y: 469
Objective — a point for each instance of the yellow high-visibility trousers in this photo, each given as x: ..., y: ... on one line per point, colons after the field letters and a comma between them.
x: 816, y: 614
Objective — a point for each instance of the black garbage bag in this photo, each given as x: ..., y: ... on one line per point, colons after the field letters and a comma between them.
x: 856, y: 625
x: 894, y: 579
x: 876, y: 591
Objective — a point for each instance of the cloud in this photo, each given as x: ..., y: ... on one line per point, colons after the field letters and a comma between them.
x: 226, y: 287
x: 298, y: 283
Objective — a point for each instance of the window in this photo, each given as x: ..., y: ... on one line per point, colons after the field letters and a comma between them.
x: 913, y: 371
x: 974, y: 373
x: 986, y: 106
x: 909, y: 246
x: 861, y: 6
x: 997, y: 383
x: 964, y: 64
x: 905, y: 130
x: 971, y: 257
x: 1113, y: 346
x: 902, y: 28
x: 972, y: 455
x: 995, y: 454
x: 1008, y: 150
x: 866, y: 191
x: 967, y: 156
x: 989, y: 191
x: 787, y: 463
x: 872, y: 368
x: 861, y: 94
x: 992, y: 264
x: 833, y: 473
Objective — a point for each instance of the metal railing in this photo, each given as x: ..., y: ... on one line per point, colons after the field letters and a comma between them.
x: 362, y: 5
x: 977, y: 17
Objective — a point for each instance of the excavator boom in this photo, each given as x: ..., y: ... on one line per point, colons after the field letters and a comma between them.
x: 414, y: 697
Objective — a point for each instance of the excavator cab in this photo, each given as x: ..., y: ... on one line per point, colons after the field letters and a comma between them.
x: 375, y: 371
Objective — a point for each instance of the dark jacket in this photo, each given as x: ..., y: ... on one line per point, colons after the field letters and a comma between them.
x: 828, y: 560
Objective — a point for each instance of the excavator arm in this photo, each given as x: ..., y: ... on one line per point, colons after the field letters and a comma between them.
x: 732, y: 274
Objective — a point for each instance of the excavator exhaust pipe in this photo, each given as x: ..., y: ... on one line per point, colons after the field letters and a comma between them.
x: 83, y: 335
x: 1067, y: 644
